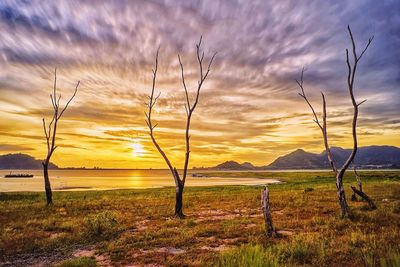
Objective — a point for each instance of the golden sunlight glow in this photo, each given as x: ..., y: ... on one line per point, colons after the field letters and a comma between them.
x: 137, y: 148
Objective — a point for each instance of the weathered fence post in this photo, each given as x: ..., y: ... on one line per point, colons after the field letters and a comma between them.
x: 269, y: 228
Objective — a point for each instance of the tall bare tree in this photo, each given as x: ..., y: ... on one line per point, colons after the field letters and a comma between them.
x: 189, y: 107
x: 50, y: 132
x: 339, y: 173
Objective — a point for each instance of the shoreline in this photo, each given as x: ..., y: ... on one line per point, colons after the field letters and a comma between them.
x: 94, y: 189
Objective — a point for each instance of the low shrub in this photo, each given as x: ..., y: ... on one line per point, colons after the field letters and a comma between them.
x: 103, y: 224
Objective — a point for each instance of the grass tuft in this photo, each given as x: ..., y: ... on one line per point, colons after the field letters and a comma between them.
x: 248, y: 256
x: 79, y: 262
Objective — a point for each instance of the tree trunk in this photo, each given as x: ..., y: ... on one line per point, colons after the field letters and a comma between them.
x: 341, y: 195
x: 179, y: 201
x: 47, y: 186
x: 269, y: 228
x: 359, y: 183
x: 365, y: 197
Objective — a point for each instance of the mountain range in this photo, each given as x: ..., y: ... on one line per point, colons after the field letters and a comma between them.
x: 22, y: 161
x: 369, y: 157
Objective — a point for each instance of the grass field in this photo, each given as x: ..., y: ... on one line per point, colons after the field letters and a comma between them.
x: 224, y: 225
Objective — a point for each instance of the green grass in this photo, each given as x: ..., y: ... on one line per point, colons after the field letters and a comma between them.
x: 79, y: 262
x: 247, y: 256
x: 224, y: 224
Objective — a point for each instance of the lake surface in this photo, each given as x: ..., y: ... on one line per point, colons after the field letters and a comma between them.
x: 63, y: 180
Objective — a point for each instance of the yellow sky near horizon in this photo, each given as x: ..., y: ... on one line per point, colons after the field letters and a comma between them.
x: 94, y: 133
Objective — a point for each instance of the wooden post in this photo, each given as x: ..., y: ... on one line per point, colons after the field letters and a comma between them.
x: 269, y: 228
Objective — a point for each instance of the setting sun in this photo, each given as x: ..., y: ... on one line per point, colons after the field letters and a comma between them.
x: 137, y: 149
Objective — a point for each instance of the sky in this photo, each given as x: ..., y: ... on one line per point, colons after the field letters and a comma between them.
x: 249, y: 109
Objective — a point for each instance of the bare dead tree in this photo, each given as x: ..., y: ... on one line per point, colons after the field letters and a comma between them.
x: 360, y: 191
x: 50, y: 133
x: 269, y: 227
x: 189, y: 107
x: 339, y: 173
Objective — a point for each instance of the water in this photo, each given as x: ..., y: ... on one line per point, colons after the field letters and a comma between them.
x: 62, y: 180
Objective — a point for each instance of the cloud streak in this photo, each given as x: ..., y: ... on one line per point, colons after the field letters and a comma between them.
x: 249, y: 109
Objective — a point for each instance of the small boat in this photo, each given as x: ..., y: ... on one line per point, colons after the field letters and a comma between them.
x: 18, y: 175
x: 198, y: 175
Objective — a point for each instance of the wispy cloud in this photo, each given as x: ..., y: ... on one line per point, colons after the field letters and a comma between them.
x: 249, y: 109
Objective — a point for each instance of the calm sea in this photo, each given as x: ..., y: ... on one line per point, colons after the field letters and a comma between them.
x: 111, y: 179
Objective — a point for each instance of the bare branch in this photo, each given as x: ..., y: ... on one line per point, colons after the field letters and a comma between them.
x: 51, y: 124
x: 46, y: 135
x: 349, y: 68
x: 58, y: 103
x: 55, y: 87
x: 366, y: 47
x: 325, y: 136
x: 359, y: 104
x: 351, y: 73
x: 152, y: 102
x: 186, y: 109
x: 209, y: 65
x: 69, y: 101
x: 303, y: 95
x: 52, y: 101
x: 192, y: 108
x: 199, y: 59
x: 352, y: 42
x: 183, y: 82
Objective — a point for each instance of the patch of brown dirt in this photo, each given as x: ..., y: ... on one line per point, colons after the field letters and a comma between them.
x: 285, y: 232
x: 278, y: 212
x: 217, y: 248
x: 142, y: 225
x: 83, y: 253
x: 215, y: 215
x: 251, y: 225
x: 162, y: 250
x: 56, y: 235
x: 102, y: 260
x: 230, y: 240
x: 170, y: 250
x: 145, y: 265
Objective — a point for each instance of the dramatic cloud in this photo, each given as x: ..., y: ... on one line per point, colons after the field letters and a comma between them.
x: 249, y: 109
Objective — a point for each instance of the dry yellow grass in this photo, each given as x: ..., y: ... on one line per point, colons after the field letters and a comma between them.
x: 224, y: 225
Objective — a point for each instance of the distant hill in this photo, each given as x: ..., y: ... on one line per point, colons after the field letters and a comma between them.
x: 233, y: 165
x: 22, y: 161
x: 369, y: 157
